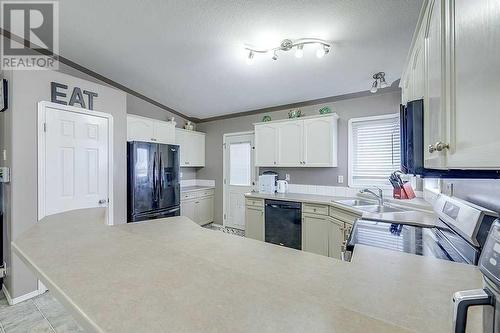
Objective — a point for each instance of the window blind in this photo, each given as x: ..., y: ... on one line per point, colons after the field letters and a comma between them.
x: 374, y: 150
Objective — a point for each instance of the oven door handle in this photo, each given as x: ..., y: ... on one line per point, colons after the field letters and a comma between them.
x: 462, y: 300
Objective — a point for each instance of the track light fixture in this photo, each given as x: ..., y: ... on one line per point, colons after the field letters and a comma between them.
x: 379, y: 82
x: 288, y: 44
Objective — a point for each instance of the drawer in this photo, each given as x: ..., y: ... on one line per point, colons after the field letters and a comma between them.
x: 206, y: 193
x: 315, y: 209
x: 188, y: 195
x: 343, y: 215
x: 254, y: 202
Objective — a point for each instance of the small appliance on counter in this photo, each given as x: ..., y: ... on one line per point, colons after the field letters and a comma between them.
x: 282, y: 186
x: 459, y: 235
x: 489, y: 296
x: 267, y: 182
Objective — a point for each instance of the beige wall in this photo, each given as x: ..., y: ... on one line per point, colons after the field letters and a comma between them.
x: 377, y: 104
x: 28, y: 88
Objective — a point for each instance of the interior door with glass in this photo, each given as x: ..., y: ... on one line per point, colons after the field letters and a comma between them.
x: 239, y: 177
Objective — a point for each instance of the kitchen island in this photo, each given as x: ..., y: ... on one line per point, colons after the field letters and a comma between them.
x: 171, y: 275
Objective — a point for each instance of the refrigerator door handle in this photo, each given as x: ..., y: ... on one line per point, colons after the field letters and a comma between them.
x: 154, y: 177
x: 160, y: 176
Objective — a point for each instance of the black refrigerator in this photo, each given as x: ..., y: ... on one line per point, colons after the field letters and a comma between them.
x: 153, y: 185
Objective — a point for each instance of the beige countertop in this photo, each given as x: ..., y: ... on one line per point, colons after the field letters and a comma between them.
x: 416, y: 211
x: 171, y: 275
x: 195, y: 188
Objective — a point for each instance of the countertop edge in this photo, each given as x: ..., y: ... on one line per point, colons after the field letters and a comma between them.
x: 87, y: 323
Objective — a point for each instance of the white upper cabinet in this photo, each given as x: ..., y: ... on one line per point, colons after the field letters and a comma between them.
x: 290, y: 138
x: 475, y: 85
x: 266, y: 145
x: 320, y: 142
x: 150, y: 130
x: 192, y: 147
x: 305, y: 142
x: 461, y: 83
x: 434, y: 104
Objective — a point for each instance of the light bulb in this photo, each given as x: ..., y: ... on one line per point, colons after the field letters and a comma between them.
x: 374, y: 87
x: 300, y: 51
x: 250, y: 58
x: 275, y: 55
x: 320, y: 53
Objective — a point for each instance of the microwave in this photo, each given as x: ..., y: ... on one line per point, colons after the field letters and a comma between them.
x: 412, y: 147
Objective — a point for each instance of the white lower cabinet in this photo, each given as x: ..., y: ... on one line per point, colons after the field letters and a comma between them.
x: 336, y: 238
x: 198, y: 206
x: 254, y: 222
x: 315, y: 230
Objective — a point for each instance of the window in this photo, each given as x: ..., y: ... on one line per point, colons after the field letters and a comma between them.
x: 374, y: 150
x: 240, y: 172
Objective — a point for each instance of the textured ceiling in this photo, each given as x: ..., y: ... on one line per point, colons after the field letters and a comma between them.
x: 187, y: 54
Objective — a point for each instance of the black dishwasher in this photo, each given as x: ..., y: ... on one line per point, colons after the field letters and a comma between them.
x: 283, y: 225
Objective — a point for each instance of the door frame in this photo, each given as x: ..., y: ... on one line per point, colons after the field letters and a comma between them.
x: 224, y: 168
x: 42, y: 111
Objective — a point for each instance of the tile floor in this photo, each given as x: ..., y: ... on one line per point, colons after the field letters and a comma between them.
x: 42, y: 314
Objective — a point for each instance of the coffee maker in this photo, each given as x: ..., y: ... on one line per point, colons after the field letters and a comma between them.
x: 489, y: 296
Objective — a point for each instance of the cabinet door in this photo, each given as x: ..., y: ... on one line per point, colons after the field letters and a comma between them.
x: 418, y: 68
x: 266, y: 145
x: 290, y: 144
x: 205, y: 210
x: 164, y: 132
x: 320, y: 142
x: 315, y: 232
x: 197, y: 158
x: 434, y: 103
x: 254, y: 223
x: 336, y: 239
x: 188, y: 209
x: 185, y: 148
x: 140, y: 129
x: 474, y: 115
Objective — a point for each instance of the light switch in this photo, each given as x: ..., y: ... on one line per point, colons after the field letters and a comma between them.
x: 287, y: 177
x: 340, y: 179
x: 180, y: 174
x: 4, y: 153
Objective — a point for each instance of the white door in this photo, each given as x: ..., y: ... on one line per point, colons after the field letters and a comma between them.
x: 239, y: 177
x: 290, y: 144
x: 266, y: 145
x: 73, y: 161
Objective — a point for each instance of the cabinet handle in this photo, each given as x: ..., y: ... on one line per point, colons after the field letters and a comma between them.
x: 274, y: 163
x: 153, y: 139
x: 438, y: 146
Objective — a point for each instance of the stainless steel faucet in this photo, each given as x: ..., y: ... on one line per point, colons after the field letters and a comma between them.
x: 380, y: 196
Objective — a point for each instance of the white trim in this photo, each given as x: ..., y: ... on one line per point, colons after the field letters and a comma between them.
x: 22, y: 298
x: 350, y: 148
x: 224, y: 169
x: 42, y: 107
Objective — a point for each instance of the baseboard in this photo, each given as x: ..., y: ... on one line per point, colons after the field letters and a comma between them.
x: 21, y: 298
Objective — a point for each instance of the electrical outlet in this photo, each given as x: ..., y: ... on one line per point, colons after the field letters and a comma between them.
x: 180, y: 174
x: 4, y: 153
x: 287, y: 177
x: 340, y: 179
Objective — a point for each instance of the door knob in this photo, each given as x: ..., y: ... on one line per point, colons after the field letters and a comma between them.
x: 438, y: 146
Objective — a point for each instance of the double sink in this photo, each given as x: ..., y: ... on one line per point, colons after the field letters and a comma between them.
x: 368, y: 206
